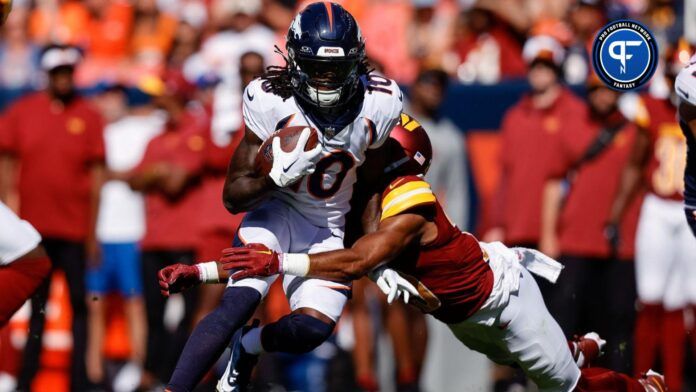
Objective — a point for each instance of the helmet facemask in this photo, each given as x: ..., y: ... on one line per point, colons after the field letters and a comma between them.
x: 325, y: 82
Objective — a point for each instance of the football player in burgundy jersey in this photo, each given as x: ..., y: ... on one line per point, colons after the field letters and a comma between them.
x: 482, y: 291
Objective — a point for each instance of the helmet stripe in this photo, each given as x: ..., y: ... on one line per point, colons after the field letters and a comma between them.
x: 329, y: 11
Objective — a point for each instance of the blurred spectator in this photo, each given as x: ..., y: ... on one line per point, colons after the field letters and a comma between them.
x: 586, y: 18
x: 429, y: 35
x: 448, y: 174
x: 19, y: 57
x: 108, y: 29
x: 187, y: 40
x: 238, y: 32
x: 132, y: 122
x: 278, y: 14
x: 56, y: 139
x: 381, y: 22
x: 596, y: 291
x: 59, y: 21
x: 529, y: 130
x: 167, y: 176
x: 152, y: 37
x: 216, y: 226
x: 105, y: 37
x: 664, y: 244
x: 488, y: 49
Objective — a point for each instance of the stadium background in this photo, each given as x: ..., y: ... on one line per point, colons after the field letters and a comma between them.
x: 475, y: 103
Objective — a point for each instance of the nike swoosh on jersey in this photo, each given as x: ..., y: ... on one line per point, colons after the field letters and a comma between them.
x: 286, y: 168
x: 684, y: 93
x: 251, y: 97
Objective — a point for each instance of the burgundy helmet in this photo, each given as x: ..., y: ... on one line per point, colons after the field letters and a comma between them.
x: 415, y: 154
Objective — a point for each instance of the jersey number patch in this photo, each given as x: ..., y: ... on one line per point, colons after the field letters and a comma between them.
x: 379, y: 84
x: 670, y: 152
x: 315, y: 182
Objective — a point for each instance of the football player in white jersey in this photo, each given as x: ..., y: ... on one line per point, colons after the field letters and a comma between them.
x: 300, y: 207
x: 685, y: 86
x: 23, y: 262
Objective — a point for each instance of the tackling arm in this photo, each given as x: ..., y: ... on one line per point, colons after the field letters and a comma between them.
x: 243, y: 189
x: 392, y: 237
x: 387, y: 242
x: 379, y: 247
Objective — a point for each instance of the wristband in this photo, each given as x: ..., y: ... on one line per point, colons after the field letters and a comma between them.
x: 296, y: 264
x: 208, y: 272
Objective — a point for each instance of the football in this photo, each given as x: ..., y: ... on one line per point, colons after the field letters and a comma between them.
x: 288, y: 140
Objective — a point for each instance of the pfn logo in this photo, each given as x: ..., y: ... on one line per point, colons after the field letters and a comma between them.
x: 624, y: 55
x: 621, y: 55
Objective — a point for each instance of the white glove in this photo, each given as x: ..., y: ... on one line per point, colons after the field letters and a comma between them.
x: 685, y: 84
x: 289, y: 167
x: 392, y: 284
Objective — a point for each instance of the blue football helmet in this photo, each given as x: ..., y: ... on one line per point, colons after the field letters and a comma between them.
x: 325, y: 54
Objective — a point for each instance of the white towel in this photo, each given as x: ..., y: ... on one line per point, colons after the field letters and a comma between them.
x: 539, y: 264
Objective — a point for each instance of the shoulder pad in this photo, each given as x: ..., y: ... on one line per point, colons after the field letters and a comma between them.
x: 385, y: 100
x: 685, y: 84
x: 405, y: 193
x: 257, y: 105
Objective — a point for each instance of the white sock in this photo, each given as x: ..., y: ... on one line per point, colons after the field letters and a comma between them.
x: 251, y: 341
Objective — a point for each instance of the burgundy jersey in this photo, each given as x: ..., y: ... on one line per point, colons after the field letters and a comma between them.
x: 450, y: 272
x: 665, y: 171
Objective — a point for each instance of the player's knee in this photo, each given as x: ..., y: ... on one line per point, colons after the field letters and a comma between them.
x: 236, y: 301
x: 301, y: 333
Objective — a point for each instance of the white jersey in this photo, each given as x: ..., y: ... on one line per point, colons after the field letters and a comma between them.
x: 17, y: 237
x: 324, y: 196
x: 685, y: 83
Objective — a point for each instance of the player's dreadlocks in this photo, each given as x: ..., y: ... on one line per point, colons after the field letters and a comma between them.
x: 278, y: 79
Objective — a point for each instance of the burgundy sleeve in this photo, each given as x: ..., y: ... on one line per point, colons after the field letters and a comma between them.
x: 95, y: 135
x: 559, y: 158
x: 192, y: 154
x: 218, y: 158
x: 9, y: 129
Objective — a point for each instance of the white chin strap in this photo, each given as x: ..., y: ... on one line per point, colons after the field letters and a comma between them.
x: 324, y: 97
